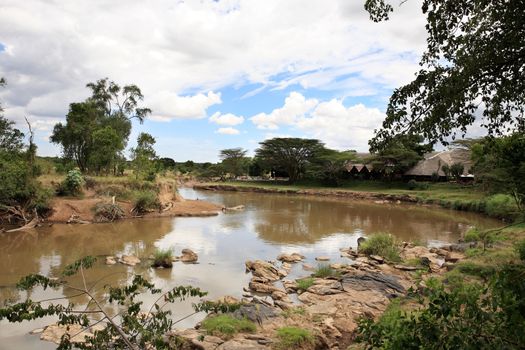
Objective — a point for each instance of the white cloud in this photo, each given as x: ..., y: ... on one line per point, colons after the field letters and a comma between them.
x: 228, y: 131
x: 167, y: 105
x: 295, y: 106
x: 226, y: 119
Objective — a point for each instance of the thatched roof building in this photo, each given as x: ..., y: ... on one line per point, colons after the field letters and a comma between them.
x: 434, y: 162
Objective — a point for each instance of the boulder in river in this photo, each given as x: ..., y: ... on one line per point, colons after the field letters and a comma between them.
x: 322, y: 258
x: 129, y: 260
x: 264, y: 269
x: 189, y: 256
x: 110, y: 260
x: 290, y: 258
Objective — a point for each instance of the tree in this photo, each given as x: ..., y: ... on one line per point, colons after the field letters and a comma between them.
x: 167, y: 163
x: 289, y: 154
x: 474, y: 61
x: 456, y: 170
x: 330, y: 166
x: 143, y: 156
x: 234, y: 160
x: 499, y: 163
x: 110, y: 106
x: 107, y: 146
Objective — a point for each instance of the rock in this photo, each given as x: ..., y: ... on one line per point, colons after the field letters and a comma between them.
x: 337, y: 266
x: 286, y: 266
x: 236, y: 208
x: 255, y: 312
x: 308, y: 267
x: 448, y: 265
x: 325, y: 287
x: 386, y: 284
x: 290, y: 286
x: 175, y: 258
x: 454, y: 257
x: 36, y: 331
x: 280, y: 295
x: 228, y: 299
x: 196, y: 339
x: 263, y: 269
x: 129, y: 260
x: 460, y: 247
x: 290, y: 258
x: 377, y: 258
x: 406, y: 267
x: 241, y: 344
x: 110, y: 260
x: 53, y: 333
x: 282, y: 273
x: 189, y: 256
x: 322, y: 258
x: 283, y: 304
x: 263, y: 287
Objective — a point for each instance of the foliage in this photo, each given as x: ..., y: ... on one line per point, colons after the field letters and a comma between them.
x: 294, y: 337
x: 500, y: 206
x: 72, y: 184
x: 97, y: 130
x: 500, y: 166
x: 163, y: 258
x: 330, y: 166
x: 108, y: 212
x: 456, y: 170
x: 382, y: 244
x: 234, y: 161
x: 472, y: 235
x: 469, y: 316
x: 291, y: 155
x: 520, y: 248
x: 475, y: 55
x: 129, y: 329
x: 144, y: 201
x: 11, y: 139
x: 305, y: 283
x: 227, y: 326
x: 143, y: 157
x: 324, y: 271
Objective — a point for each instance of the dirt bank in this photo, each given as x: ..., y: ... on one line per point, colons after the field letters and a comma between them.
x: 310, y: 192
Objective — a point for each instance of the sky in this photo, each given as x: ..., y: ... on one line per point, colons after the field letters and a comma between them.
x: 217, y: 74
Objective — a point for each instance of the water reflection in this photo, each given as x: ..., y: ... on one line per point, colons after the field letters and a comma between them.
x: 271, y: 224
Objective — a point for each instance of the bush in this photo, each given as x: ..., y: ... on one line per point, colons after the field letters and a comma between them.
x: 144, y: 201
x: 72, y: 184
x: 305, y: 283
x: 90, y: 182
x: 412, y: 185
x: 382, y: 244
x: 227, y: 326
x: 501, y: 206
x: 520, y: 247
x: 293, y: 337
x: 472, y: 235
x: 163, y: 258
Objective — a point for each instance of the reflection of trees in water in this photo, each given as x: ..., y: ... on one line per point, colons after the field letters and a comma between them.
x: 299, y: 220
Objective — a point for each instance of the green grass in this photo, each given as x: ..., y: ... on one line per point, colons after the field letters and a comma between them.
x: 163, y: 258
x: 227, y: 326
x: 305, y: 283
x: 293, y: 337
x: 381, y: 244
x: 324, y: 271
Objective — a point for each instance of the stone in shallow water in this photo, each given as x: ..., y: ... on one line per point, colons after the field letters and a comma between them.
x: 189, y: 256
x: 322, y: 258
x: 129, y: 260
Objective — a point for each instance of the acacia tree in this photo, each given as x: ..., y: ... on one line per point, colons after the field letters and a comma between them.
x: 110, y: 106
x: 474, y: 61
x: 234, y: 160
x: 289, y: 154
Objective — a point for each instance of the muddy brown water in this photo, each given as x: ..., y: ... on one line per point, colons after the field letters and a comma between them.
x: 271, y: 224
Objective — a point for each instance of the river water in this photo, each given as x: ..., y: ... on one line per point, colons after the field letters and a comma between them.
x: 270, y: 224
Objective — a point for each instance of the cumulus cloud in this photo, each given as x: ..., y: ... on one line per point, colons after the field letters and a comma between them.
x: 226, y: 119
x: 167, y: 105
x: 295, y: 106
x: 228, y: 131
x: 340, y: 127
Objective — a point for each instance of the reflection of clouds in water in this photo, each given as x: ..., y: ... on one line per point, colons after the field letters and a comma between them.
x: 47, y: 263
x: 191, y: 237
x: 327, y: 245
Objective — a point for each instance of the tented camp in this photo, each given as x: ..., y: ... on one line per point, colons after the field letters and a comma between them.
x: 434, y: 162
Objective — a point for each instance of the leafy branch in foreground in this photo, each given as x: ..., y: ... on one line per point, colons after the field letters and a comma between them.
x: 130, y: 328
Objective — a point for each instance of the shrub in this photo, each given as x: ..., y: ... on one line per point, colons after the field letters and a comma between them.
x: 90, y: 182
x: 72, y: 184
x: 501, y: 206
x: 108, y: 212
x: 227, y: 326
x: 305, y: 283
x: 144, y: 201
x: 412, y: 185
x: 520, y: 247
x: 382, y: 244
x: 118, y: 191
x: 293, y: 337
x: 163, y: 258
x: 472, y: 235
x: 323, y: 271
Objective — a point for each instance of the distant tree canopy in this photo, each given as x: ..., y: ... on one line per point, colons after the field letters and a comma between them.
x: 97, y: 130
x: 292, y: 155
x: 143, y: 157
x: 474, y: 61
x: 234, y: 160
x: 330, y: 165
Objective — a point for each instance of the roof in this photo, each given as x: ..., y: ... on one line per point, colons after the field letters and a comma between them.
x: 434, y: 161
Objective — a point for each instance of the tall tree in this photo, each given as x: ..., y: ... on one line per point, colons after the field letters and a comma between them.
x: 234, y: 160
x: 474, y: 61
x: 289, y: 154
x: 110, y: 106
x: 143, y: 156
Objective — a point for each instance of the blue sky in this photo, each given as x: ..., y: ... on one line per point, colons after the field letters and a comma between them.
x: 217, y: 74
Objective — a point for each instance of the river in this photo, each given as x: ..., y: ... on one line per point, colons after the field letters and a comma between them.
x: 270, y: 224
